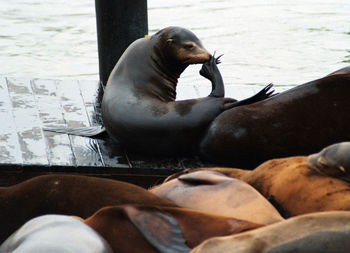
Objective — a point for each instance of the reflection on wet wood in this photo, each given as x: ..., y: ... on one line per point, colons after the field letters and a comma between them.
x: 28, y: 106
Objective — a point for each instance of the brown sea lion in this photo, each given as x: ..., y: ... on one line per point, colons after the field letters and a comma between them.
x: 148, y: 229
x: 55, y: 234
x: 213, y: 192
x: 326, y: 232
x: 299, y: 121
x: 139, y: 108
x: 292, y: 186
x: 66, y: 194
x: 333, y: 161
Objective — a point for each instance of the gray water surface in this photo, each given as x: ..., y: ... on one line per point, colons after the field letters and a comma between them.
x: 279, y: 41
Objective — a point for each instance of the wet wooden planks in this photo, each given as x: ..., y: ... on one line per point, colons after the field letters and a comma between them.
x: 29, y: 105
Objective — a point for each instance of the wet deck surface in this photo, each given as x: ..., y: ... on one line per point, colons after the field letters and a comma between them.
x: 29, y: 105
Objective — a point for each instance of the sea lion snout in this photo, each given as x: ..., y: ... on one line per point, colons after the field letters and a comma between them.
x: 193, y: 53
x: 333, y: 160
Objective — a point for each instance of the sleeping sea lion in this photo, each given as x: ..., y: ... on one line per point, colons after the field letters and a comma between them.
x: 66, y: 194
x: 326, y: 232
x: 213, y: 192
x: 138, y: 106
x: 333, y: 161
x: 292, y: 186
x: 299, y: 121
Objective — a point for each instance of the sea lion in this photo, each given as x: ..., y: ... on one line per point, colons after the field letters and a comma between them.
x: 325, y: 232
x: 299, y: 121
x: 333, y: 161
x: 66, y: 194
x: 143, y: 228
x: 55, y: 234
x: 213, y: 192
x: 293, y: 187
x: 138, y: 107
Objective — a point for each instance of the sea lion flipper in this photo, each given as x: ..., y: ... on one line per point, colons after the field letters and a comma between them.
x: 266, y: 92
x: 92, y: 132
x: 210, y: 71
x: 160, y: 229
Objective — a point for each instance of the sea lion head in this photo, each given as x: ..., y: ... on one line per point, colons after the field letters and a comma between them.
x: 333, y: 161
x: 180, y: 46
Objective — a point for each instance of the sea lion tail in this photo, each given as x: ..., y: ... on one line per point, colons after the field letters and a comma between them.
x: 92, y: 132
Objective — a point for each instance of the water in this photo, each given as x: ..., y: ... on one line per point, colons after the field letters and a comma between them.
x: 279, y: 41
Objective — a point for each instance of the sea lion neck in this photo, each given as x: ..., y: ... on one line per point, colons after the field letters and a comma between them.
x: 168, y: 72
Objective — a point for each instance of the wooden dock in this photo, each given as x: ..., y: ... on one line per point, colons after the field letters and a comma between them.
x: 29, y: 105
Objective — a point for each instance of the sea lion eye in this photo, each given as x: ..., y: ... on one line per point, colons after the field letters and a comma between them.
x: 189, y: 46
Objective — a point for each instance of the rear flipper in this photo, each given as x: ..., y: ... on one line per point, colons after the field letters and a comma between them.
x: 161, y: 230
x: 266, y: 92
x: 92, y: 132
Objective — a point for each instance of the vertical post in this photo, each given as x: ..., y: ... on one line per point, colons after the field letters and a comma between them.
x: 119, y: 23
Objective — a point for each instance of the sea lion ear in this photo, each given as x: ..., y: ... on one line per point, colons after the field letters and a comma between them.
x: 169, y: 41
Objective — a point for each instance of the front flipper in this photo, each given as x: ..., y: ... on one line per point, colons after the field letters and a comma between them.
x: 210, y: 71
x: 92, y: 132
x: 266, y: 92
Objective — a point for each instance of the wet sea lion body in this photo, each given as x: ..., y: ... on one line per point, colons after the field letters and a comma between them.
x: 332, y: 161
x: 299, y: 121
x: 66, y: 194
x: 139, y: 108
x: 215, y: 193
x: 325, y: 232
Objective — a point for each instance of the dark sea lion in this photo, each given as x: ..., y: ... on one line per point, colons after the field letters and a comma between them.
x: 333, y: 161
x: 139, y: 108
x: 299, y: 121
x: 55, y: 234
x: 66, y: 194
x: 326, y: 232
x: 148, y: 229
x: 293, y: 186
x: 215, y: 193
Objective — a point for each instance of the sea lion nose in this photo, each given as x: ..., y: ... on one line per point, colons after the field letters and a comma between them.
x: 207, y: 54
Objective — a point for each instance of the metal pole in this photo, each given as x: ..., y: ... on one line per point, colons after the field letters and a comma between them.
x: 119, y: 23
